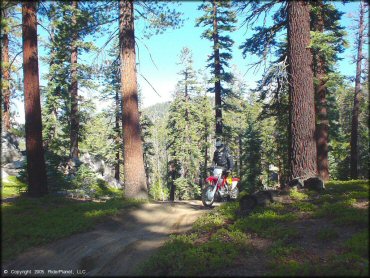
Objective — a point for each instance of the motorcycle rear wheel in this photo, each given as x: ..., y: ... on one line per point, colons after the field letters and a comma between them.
x: 205, y: 196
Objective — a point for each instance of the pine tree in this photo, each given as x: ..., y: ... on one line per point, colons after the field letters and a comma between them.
x: 35, y: 154
x: 356, y: 102
x: 326, y: 41
x: 64, y: 122
x: 5, y: 67
x: 10, y: 31
x: 204, y: 114
x: 264, y: 41
x: 135, y: 180
x: 303, y: 155
x: 219, y: 19
x: 111, y: 82
x: 183, y: 130
x: 74, y: 117
x: 159, y: 18
x: 252, y: 167
x: 235, y: 121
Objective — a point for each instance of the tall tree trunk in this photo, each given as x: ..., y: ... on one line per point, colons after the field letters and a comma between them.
x: 240, y: 155
x: 303, y: 156
x: 74, y: 117
x: 217, y: 62
x: 356, y: 101
x: 322, y: 125
x: 184, y: 172
x: 6, y: 75
x: 37, y: 185
x: 205, y: 159
x: 135, y: 181
x: 118, y: 137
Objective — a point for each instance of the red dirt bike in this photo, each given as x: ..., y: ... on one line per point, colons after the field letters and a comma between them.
x: 219, y: 187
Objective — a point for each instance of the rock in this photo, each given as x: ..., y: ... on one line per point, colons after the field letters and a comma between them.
x: 297, y: 182
x: 112, y: 181
x: 314, y: 183
x: 108, y: 171
x: 11, y: 139
x: 102, y: 169
x: 97, y: 165
x: 4, y: 175
x: 247, y: 203
x: 19, y: 164
x: 9, y: 149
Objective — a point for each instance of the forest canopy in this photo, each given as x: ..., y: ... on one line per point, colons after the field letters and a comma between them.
x: 116, y: 111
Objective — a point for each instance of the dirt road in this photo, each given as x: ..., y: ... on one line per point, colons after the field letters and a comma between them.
x: 115, y: 247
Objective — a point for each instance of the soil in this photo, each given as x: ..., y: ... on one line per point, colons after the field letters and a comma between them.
x: 115, y: 247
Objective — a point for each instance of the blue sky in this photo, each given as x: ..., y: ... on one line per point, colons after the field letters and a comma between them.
x: 165, y: 49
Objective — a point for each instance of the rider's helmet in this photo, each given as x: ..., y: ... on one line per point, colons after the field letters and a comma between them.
x: 219, y: 143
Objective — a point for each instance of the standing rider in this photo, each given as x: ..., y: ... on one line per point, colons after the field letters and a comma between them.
x: 223, y: 158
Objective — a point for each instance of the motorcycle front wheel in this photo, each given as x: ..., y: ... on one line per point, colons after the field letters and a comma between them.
x: 207, y: 196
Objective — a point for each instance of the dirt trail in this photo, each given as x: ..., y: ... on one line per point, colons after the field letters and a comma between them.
x: 115, y: 247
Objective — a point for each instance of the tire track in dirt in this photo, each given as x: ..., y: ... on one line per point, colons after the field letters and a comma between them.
x: 117, y: 246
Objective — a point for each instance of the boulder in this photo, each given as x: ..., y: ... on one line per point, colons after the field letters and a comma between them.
x: 112, y: 181
x: 19, y: 164
x: 9, y: 149
x: 297, y: 182
x: 311, y: 183
x: 95, y: 164
x: 4, y: 175
x: 248, y: 203
x: 314, y: 183
x: 102, y: 169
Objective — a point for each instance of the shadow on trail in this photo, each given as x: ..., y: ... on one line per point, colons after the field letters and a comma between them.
x: 116, y: 246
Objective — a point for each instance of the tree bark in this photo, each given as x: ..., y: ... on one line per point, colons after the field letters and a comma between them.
x: 322, y: 125
x: 240, y: 155
x: 6, y: 76
x: 74, y: 117
x: 303, y: 156
x: 135, y: 181
x: 217, y: 65
x: 356, y: 99
x: 37, y: 185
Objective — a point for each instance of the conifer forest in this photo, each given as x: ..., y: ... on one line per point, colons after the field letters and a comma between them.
x: 113, y: 108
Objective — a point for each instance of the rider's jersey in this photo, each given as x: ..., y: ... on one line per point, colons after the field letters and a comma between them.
x: 223, y: 158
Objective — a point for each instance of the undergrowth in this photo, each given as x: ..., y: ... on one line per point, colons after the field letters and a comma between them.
x: 30, y: 222
x: 222, y: 239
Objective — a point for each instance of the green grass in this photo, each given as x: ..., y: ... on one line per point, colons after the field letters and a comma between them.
x: 11, y: 187
x: 344, y: 213
x: 327, y: 234
x: 359, y: 243
x: 31, y: 222
x: 280, y: 249
x: 340, y: 187
x: 266, y: 223
x: 297, y: 195
x: 224, y: 234
x: 218, y: 247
